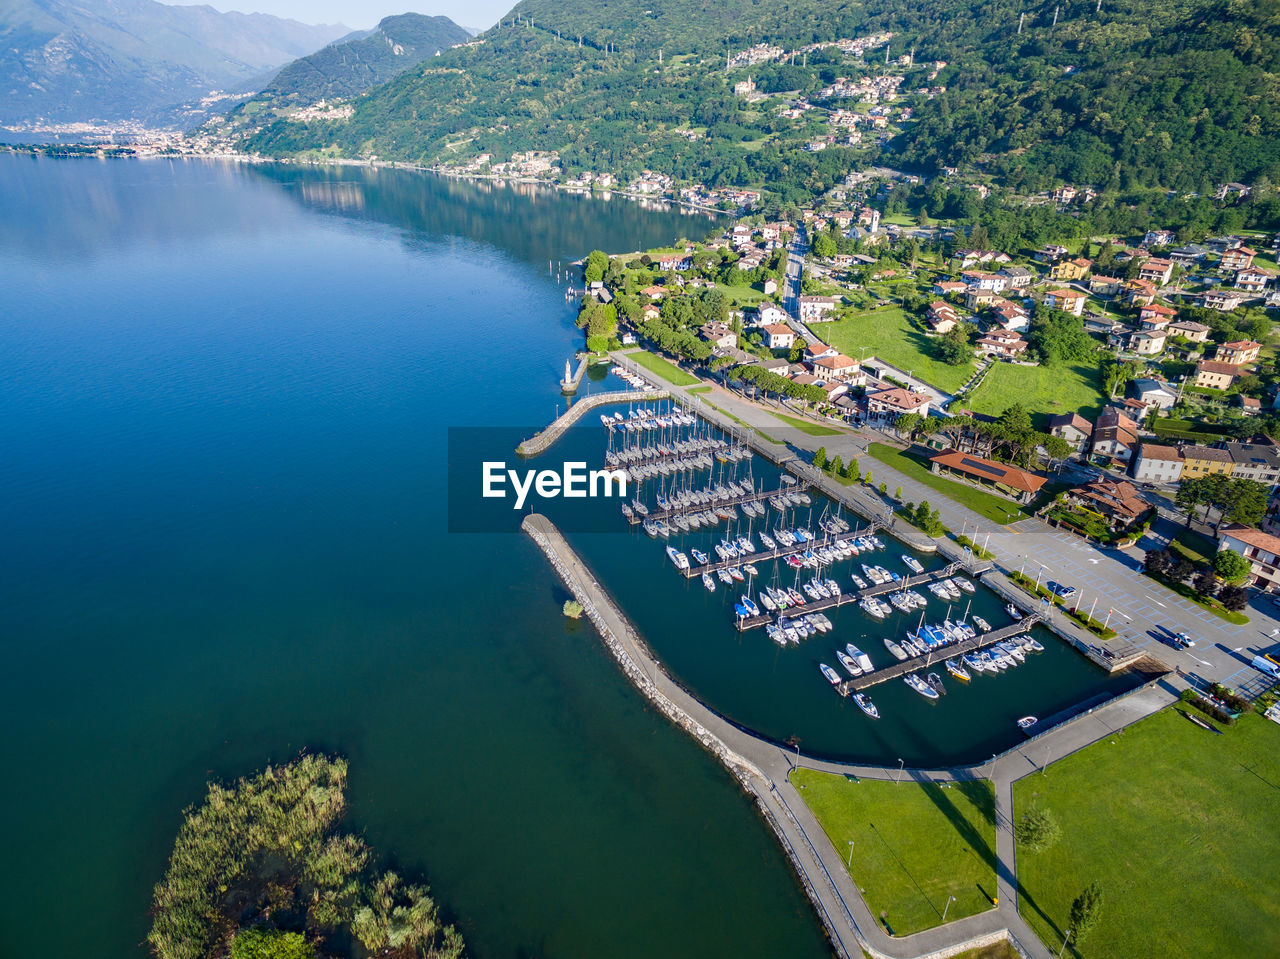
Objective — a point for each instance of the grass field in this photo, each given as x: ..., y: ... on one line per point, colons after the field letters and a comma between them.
x: 889, y: 334
x: 993, y: 507
x: 1179, y: 826
x: 805, y: 426
x: 915, y: 844
x: 1044, y: 390
x: 699, y: 389
x: 664, y: 368
x: 743, y: 295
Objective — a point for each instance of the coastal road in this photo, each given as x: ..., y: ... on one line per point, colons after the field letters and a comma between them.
x: 765, y: 769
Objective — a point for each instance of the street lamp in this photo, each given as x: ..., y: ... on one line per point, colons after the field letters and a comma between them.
x: 1039, y: 574
x: 849, y: 864
x: 1065, y: 940
x: 950, y: 900
x: 899, y: 778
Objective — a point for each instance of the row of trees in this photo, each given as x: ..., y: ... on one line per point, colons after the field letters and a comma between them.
x: 1011, y: 437
x: 1176, y: 568
x: 770, y: 382
x: 1236, y: 500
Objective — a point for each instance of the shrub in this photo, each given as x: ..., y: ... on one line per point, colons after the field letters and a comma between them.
x: 572, y: 608
x: 1037, y: 829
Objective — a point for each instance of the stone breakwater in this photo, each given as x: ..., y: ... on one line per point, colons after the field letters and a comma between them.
x: 547, y: 438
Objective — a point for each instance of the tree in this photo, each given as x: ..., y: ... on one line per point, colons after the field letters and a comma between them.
x: 883, y: 487
x: 1205, y: 582
x: 835, y: 467
x: 1056, y: 448
x: 1192, y: 493
x: 270, y: 944
x: 1245, y: 502
x: 1037, y: 829
x: 1234, y: 598
x: 1059, y: 337
x: 597, y: 263
x: 867, y: 479
x: 1157, y: 561
x: 897, y: 494
x: 1180, y: 569
x: 820, y: 457
x: 1086, y: 910
x: 572, y: 608
x: 907, y: 423
x: 1230, y: 566
x: 953, y: 347
x: 851, y: 471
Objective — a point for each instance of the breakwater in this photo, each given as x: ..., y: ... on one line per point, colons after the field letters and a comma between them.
x: 547, y: 438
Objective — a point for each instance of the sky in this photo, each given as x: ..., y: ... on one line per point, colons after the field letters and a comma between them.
x: 362, y: 14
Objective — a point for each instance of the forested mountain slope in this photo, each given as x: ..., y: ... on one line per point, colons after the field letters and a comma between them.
x: 1175, y: 93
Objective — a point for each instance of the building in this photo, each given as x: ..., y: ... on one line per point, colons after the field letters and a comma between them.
x: 1156, y: 270
x: 1051, y: 253
x: 1249, y: 405
x: 1069, y: 301
x: 1010, y: 481
x: 1189, y: 330
x: 779, y: 336
x: 838, y: 367
x: 1262, y: 550
x: 1253, y: 280
x: 1075, y: 269
x: 1241, y: 258
x: 676, y: 261
x: 949, y: 288
x: 769, y: 315
x: 1255, y: 462
x: 1009, y: 315
x: 1003, y: 343
x: 1198, y: 461
x: 1153, y: 393
x: 1212, y: 375
x: 719, y: 334
x: 1105, y: 285
x: 1238, y: 352
x: 976, y: 299
x: 1117, y: 500
x: 1158, y: 238
x: 1147, y: 342
x: 1139, y: 292
x: 1156, y: 316
x: 817, y: 307
x: 1115, y: 436
x: 869, y: 219
x: 978, y: 280
x: 814, y: 350
x: 1157, y: 464
x: 1222, y: 300
x: 888, y: 405
x: 1073, y: 428
x: 942, y: 317
x: 1018, y: 277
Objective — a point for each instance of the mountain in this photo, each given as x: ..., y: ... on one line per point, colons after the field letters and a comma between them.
x: 363, y: 62
x: 111, y: 60
x: 1154, y: 94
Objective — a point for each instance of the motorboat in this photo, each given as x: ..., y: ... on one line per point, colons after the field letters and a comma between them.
x: 935, y: 683
x: 895, y: 650
x: 767, y: 602
x: 749, y: 605
x: 1034, y: 645
x: 1013, y: 611
x: 982, y: 624
x: 832, y: 676
x: 680, y: 560
x: 708, y: 582
x: 920, y: 686
x: 858, y: 581
x: 963, y: 582
x: 699, y: 556
x: 775, y: 632
x: 956, y: 670
x: 861, y: 658
x: 912, y: 563
x: 1026, y: 722
x: 750, y: 569
x: 724, y: 576
x: 871, y: 607
x: 850, y: 667
x: 737, y: 574
x: 866, y: 705
x: 795, y: 595
x: 974, y: 662
x: 768, y: 541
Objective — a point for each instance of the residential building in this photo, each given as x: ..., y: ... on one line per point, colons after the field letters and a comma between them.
x: 1256, y: 462
x: 1073, y: 428
x: 1117, y: 500
x: 1153, y: 393
x: 718, y: 334
x: 869, y: 219
x: 1262, y: 550
x: 838, y: 367
x: 1223, y: 300
x: 1147, y: 342
x: 1070, y: 301
x: 769, y: 315
x: 1241, y: 258
x: 949, y: 288
x: 674, y: 261
x: 942, y: 317
x: 1139, y: 292
x: 978, y: 280
x: 976, y: 299
x: 1188, y: 255
x: 770, y: 286
x: 1018, y: 277
x: 779, y: 336
x: 1051, y: 253
x: 1105, y: 285
x: 1156, y: 270
x: 1249, y: 405
x: 1157, y: 464
x: 1115, y: 436
x: 888, y: 405
x: 1009, y: 315
x: 1158, y: 238
x: 817, y: 307
x: 1020, y: 485
x: 1238, y: 352
x: 1189, y: 330
x: 1199, y: 461
x: 1212, y: 375
x: 814, y: 350
x: 1003, y: 343
x: 1156, y: 316
x: 1253, y: 280
x: 1075, y: 269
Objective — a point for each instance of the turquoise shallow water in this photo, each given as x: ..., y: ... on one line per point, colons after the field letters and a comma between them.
x: 223, y: 398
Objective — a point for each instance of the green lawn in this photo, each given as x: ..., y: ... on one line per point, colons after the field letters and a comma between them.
x: 742, y: 295
x: 699, y: 389
x: 915, y: 844
x: 993, y: 507
x: 1179, y: 826
x: 1044, y: 390
x: 807, y: 426
x: 1194, y: 546
x: 664, y: 368
x: 890, y: 335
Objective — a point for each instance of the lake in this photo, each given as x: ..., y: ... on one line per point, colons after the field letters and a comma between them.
x: 223, y: 406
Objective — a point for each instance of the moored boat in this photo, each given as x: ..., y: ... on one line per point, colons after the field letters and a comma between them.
x: 935, y: 683
x: 832, y: 676
x: 680, y: 560
x: 850, y: 667
x: 897, y: 651
x: 708, y: 582
x: 912, y: 563
x: 866, y: 705
x: 1026, y: 722
x: 982, y: 624
x: 956, y: 670
x: 920, y: 686
x: 861, y: 658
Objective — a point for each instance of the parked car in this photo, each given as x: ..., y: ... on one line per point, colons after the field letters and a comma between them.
x: 1066, y: 592
x: 1183, y: 641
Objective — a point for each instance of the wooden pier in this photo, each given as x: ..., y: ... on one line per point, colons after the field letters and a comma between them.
x: 935, y: 656
x: 818, y: 605
x: 754, y: 497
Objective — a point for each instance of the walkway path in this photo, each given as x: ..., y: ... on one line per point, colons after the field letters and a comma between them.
x: 764, y: 769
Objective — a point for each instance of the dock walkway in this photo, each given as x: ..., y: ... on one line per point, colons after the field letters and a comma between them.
x: 937, y: 655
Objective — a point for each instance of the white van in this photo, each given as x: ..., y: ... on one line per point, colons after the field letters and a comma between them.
x: 1268, y: 666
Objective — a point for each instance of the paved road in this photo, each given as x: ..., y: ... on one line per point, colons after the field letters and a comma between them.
x: 765, y: 769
